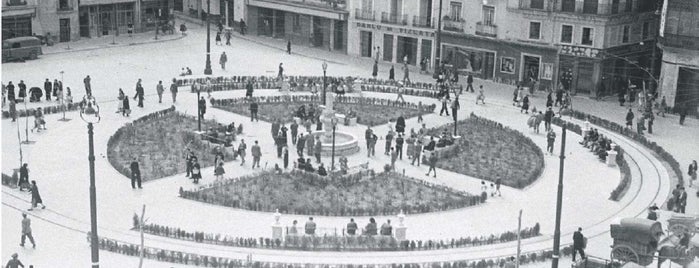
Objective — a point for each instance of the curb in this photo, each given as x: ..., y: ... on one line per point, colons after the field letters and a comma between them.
x: 117, y: 45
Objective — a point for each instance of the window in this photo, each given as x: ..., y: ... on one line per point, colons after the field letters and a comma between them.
x: 587, y: 35
x: 568, y: 6
x: 455, y: 11
x: 488, y: 15
x: 63, y: 5
x: 646, y: 30
x: 590, y: 6
x: 615, y: 6
x: 296, y: 23
x: 567, y: 34
x: 625, y: 34
x: 538, y: 4
x: 534, y: 30
x: 629, y: 5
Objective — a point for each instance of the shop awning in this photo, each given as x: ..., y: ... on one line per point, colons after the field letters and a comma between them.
x: 103, y: 2
x: 25, y: 12
x: 302, y: 8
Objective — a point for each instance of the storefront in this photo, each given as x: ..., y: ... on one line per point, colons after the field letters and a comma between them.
x: 499, y: 60
x: 106, y: 19
x: 394, y: 43
x: 16, y: 25
x: 153, y: 11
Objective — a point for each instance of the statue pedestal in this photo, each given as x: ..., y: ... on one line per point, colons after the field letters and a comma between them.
x: 277, y: 231
x: 400, y: 232
x: 611, y: 158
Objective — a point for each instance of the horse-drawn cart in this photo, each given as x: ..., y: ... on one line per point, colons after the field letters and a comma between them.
x: 637, y: 240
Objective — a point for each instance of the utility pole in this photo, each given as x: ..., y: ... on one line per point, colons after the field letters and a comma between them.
x: 559, y: 203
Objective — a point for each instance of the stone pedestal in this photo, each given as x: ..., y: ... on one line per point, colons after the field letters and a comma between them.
x: 400, y: 232
x: 277, y: 231
x: 611, y: 158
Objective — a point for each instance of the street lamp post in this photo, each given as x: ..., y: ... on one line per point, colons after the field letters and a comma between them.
x: 207, y: 69
x: 198, y: 109
x: 90, y: 114
x: 325, y: 68
x: 559, y: 202
x: 437, y: 56
x: 332, y: 161
x: 26, y: 124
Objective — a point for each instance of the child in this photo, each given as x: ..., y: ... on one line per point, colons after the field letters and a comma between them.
x: 481, y: 95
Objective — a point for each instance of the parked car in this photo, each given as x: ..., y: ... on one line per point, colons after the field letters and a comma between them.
x: 21, y: 48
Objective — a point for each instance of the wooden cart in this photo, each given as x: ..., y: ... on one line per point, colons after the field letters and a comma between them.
x: 635, y: 240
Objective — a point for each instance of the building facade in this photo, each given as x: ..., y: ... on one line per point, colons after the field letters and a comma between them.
x: 393, y: 29
x: 113, y: 17
x: 56, y: 19
x: 580, y: 45
x: 679, y: 40
x: 313, y: 23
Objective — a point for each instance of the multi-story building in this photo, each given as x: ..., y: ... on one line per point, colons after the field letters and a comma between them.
x: 679, y: 40
x: 57, y: 19
x: 113, y: 17
x: 233, y: 10
x: 316, y: 23
x: 580, y: 45
x: 393, y: 29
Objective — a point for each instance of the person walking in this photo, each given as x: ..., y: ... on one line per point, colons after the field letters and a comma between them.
x: 682, y: 110
x: 228, y: 38
x: 285, y: 156
x: 10, y: 91
x: 550, y: 139
x: 469, y: 83
x: 548, y: 117
x: 318, y: 148
x: 663, y: 107
x: 88, y: 87
x: 579, y: 242
x: 13, y: 109
x: 294, y: 131
x: 629, y: 118
x: 406, y: 72
x: 36, y: 197
x: 256, y: 154
x: 47, y: 89
x: 135, y: 174
x: 223, y: 60
x: 280, y: 73
x: 173, y: 90
x: 126, y: 107
x: 139, y: 93
x: 160, y: 89
x: 218, y: 38
x: 253, y: 111
x: 22, y: 90
x: 189, y: 162
x: 375, y: 70
x: 525, y: 104
x: 445, y: 102
x: 241, y: 151
x: 288, y: 47
x: 24, y: 177
x: 392, y: 74
x: 389, y: 140
x: 27, y: 231
x: 692, y: 172
x: 417, y: 151
x: 432, y: 161
x: 371, y: 146
x: 14, y: 262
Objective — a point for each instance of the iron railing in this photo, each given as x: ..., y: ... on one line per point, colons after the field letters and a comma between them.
x: 393, y: 18
x: 486, y: 29
x: 363, y: 14
x: 425, y: 22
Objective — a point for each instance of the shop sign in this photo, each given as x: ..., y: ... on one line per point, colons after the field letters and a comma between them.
x: 395, y: 29
x: 580, y: 51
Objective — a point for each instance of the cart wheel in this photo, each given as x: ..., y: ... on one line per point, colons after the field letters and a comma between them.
x: 624, y: 254
x: 679, y: 229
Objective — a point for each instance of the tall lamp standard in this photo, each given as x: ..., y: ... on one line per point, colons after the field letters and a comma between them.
x: 437, y: 61
x: 91, y: 115
x: 207, y: 69
x: 198, y: 108
x: 332, y: 161
x: 325, y: 68
x: 559, y: 202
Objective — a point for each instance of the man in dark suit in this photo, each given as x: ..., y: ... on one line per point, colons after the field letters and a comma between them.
x: 47, y: 88
x: 469, y: 83
x: 135, y: 174
x: 578, y: 244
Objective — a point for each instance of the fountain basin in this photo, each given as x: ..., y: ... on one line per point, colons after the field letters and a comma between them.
x: 345, y: 143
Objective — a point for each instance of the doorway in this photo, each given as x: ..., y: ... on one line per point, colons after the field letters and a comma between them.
x: 84, y: 22
x: 530, y: 68
x: 64, y: 30
x: 317, y: 32
x: 365, y: 44
x: 489, y: 65
x: 687, y: 92
x: 388, y: 47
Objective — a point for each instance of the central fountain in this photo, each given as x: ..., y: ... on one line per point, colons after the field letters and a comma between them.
x: 345, y: 143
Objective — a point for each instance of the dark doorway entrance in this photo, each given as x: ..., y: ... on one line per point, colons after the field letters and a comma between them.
x: 317, y: 32
x: 365, y: 43
x: 687, y: 91
x: 84, y: 22
x: 64, y: 28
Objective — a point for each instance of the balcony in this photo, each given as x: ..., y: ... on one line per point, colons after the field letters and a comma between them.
x: 486, y: 30
x: 11, y: 3
x: 453, y: 24
x: 423, y: 22
x: 393, y: 18
x: 362, y: 14
x: 534, y: 5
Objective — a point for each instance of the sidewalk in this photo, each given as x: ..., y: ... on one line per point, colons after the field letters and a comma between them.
x: 108, y: 41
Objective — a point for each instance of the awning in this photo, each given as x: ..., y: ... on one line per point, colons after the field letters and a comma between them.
x: 103, y: 2
x: 301, y: 8
x: 25, y: 12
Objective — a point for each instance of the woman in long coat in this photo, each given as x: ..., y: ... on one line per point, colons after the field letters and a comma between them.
x: 36, y: 197
x: 126, y: 108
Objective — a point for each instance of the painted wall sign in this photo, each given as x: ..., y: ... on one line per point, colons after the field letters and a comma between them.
x: 395, y: 29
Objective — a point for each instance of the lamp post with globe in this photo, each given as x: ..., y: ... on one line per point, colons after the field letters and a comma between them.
x: 90, y: 113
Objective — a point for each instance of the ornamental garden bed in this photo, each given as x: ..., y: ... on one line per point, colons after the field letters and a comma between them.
x: 159, y: 141
x: 362, y: 194
x: 369, y: 111
x: 490, y: 151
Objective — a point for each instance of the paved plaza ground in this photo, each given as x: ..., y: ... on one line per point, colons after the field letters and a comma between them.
x: 58, y: 161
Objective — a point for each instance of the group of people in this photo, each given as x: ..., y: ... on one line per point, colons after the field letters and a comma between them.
x: 54, y: 89
x: 597, y: 143
x: 124, y: 106
x: 371, y: 229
